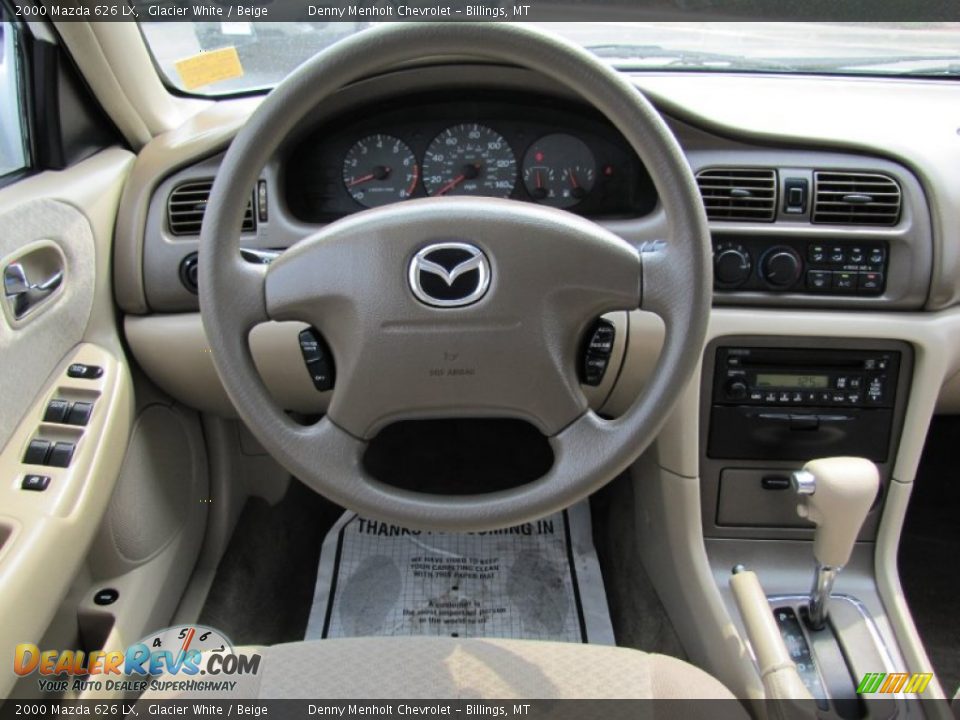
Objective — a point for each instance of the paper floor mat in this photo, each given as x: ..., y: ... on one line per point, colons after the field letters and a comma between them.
x: 539, y: 580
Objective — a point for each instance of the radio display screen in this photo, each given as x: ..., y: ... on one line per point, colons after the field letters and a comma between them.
x: 802, y: 382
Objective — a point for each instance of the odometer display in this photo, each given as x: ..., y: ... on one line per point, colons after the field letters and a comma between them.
x: 469, y: 159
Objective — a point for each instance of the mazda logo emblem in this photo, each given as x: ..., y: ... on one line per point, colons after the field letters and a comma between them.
x: 449, y: 274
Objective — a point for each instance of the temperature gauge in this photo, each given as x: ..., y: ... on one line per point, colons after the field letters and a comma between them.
x: 559, y: 170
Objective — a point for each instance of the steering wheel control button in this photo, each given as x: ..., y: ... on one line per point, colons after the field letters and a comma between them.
x: 61, y: 455
x: 449, y: 275
x: 596, y: 356
x: 80, y: 414
x: 56, y: 411
x: 36, y: 483
x: 106, y: 596
x: 37, y: 452
x: 84, y: 372
x: 318, y: 359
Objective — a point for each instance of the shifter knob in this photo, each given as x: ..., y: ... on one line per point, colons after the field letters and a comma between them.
x: 836, y: 495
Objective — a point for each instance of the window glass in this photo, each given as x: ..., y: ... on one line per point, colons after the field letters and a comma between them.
x: 12, y: 132
x: 267, y: 51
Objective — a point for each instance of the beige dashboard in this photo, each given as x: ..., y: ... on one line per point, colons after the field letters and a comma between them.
x: 780, y: 120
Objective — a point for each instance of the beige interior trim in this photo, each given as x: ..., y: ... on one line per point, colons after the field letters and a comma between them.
x: 948, y: 403
x: 48, y: 533
x: 891, y: 591
x: 671, y: 492
x: 670, y: 542
x: 844, y: 113
x: 203, y: 134
x: 777, y: 669
x: 117, y: 65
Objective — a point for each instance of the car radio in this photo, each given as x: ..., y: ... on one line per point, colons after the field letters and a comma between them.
x: 805, y: 377
x: 783, y: 403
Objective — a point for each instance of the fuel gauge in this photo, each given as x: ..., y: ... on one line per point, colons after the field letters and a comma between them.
x: 559, y: 170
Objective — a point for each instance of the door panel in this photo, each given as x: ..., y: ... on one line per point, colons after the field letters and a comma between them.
x: 67, y: 218
x: 31, y: 347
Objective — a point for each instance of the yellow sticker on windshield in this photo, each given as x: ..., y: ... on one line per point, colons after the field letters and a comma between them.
x: 209, y: 67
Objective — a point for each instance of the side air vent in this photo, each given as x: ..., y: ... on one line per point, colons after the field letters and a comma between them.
x: 855, y: 198
x: 739, y: 193
x: 186, y: 206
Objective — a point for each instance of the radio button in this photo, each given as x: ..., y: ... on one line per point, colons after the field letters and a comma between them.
x: 841, y: 383
x: 853, y: 398
x: 839, y: 397
x: 756, y: 396
x: 736, y: 390
x: 826, y: 396
x: 770, y: 397
x: 798, y: 397
x: 855, y: 382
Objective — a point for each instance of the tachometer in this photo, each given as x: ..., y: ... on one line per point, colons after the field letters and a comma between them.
x: 469, y: 159
x: 380, y: 169
x: 559, y: 170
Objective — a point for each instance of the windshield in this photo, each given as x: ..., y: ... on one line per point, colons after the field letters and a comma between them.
x: 257, y: 55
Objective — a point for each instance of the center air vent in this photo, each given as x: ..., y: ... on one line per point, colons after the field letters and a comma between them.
x: 848, y: 198
x: 187, y: 204
x: 739, y: 193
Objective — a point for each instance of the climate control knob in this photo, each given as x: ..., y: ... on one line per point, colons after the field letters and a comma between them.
x: 780, y: 267
x: 731, y: 266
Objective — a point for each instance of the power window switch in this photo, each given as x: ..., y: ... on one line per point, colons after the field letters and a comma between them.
x: 37, y: 452
x: 61, y: 455
x: 84, y: 372
x: 37, y: 483
x: 80, y: 413
x: 56, y: 411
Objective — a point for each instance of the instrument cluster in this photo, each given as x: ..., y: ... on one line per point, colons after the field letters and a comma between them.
x: 545, y: 152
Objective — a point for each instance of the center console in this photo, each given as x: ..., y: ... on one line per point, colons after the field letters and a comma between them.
x: 770, y: 404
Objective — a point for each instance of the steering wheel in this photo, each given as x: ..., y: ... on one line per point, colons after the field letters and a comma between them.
x: 456, y: 307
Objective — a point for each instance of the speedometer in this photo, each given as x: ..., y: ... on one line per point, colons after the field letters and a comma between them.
x: 469, y: 159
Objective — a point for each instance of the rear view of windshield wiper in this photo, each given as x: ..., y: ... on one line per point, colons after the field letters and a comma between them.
x: 637, y: 56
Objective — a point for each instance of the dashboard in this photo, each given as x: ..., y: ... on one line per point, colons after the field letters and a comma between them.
x: 794, y: 223
x: 534, y: 149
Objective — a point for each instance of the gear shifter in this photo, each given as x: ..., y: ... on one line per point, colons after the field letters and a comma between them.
x: 836, y: 495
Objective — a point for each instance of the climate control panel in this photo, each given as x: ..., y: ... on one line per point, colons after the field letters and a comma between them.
x: 799, y: 265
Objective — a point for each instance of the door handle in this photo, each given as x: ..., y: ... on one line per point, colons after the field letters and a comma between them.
x: 22, y: 294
